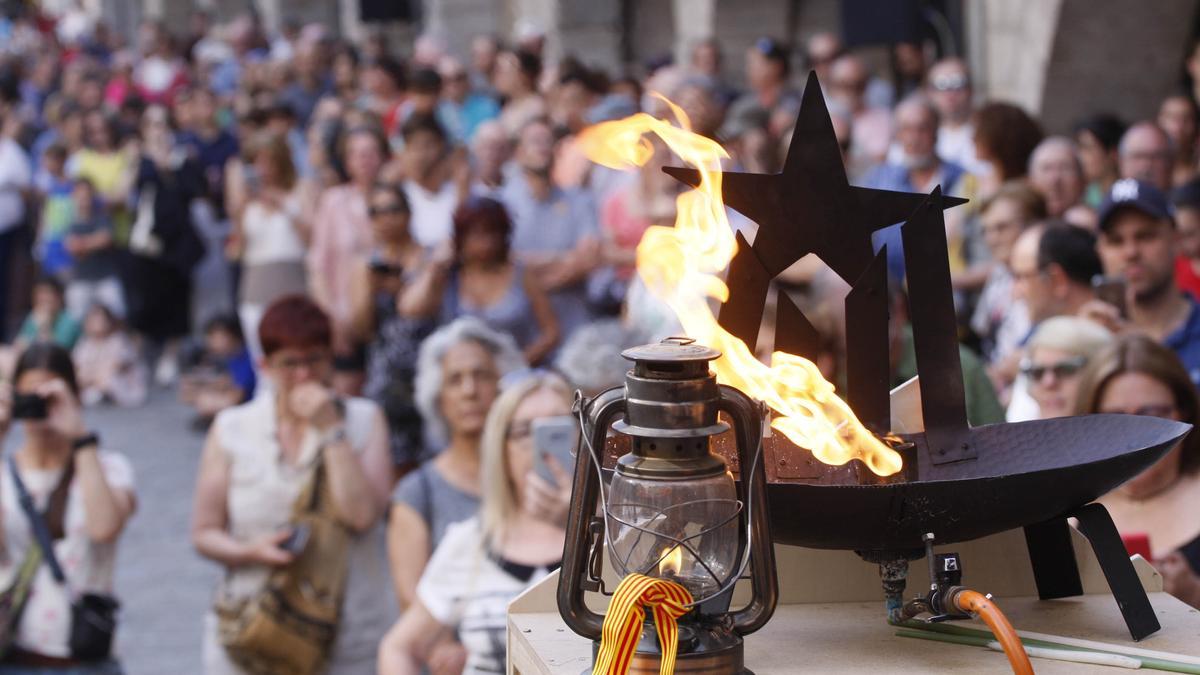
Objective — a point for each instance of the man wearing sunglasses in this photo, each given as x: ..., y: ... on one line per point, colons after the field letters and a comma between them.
x: 948, y: 85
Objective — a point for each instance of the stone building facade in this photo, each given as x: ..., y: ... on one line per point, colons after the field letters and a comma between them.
x: 1056, y: 58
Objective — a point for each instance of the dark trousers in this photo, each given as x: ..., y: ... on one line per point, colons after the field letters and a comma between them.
x: 16, y: 279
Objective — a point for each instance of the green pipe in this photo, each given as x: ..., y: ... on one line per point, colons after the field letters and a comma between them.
x: 980, y: 638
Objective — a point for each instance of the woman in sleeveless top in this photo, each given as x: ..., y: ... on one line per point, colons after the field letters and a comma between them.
x: 269, y: 235
x: 458, y: 376
x: 257, y: 460
x: 483, y: 563
x: 475, y: 275
x: 392, y: 339
x: 1139, y: 376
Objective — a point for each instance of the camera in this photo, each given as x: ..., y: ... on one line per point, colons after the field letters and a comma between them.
x: 385, y: 268
x: 30, y: 407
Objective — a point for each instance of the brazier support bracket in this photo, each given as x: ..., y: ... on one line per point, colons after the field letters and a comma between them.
x: 1057, y: 576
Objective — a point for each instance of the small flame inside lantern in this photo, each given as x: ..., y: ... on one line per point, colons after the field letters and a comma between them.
x: 671, y: 563
x: 680, y: 264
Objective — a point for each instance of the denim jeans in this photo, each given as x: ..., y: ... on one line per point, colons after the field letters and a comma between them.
x: 109, y: 667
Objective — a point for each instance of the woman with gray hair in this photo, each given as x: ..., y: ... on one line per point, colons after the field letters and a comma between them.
x: 458, y: 377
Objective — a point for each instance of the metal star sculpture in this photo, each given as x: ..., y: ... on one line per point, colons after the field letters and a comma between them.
x: 810, y: 207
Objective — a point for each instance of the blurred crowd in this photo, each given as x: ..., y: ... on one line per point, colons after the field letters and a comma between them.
x: 382, y: 264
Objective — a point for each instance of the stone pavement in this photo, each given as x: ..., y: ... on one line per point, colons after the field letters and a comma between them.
x: 165, y: 587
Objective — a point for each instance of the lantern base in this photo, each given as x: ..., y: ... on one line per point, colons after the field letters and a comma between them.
x: 702, y: 649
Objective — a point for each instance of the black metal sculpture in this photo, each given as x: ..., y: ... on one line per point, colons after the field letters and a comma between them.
x: 960, y: 482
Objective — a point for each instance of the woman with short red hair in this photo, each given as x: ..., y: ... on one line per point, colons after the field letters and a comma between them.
x: 261, y: 457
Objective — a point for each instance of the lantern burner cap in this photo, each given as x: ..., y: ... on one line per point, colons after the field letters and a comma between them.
x: 672, y: 358
x: 671, y: 350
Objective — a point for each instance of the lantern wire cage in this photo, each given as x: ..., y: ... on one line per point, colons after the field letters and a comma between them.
x: 723, y: 585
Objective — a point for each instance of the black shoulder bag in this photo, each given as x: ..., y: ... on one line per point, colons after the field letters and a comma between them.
x: 93, y: 615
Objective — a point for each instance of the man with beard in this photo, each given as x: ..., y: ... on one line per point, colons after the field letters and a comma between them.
x: 917, y: 168
x: 1138, y: 243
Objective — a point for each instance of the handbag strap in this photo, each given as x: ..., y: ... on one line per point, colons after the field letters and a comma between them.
x: 310, y: 499
x: 54, y: 517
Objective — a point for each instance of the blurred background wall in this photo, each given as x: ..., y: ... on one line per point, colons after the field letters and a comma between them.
x: 1056, y: 58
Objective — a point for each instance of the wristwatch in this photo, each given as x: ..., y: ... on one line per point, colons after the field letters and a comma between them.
x: 89, y: 440
x: 334, y: 435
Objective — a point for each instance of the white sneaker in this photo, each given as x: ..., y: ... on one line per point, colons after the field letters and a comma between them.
x: 167, y: 371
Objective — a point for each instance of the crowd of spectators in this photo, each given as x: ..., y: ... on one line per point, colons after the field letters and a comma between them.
x: 416, y: 261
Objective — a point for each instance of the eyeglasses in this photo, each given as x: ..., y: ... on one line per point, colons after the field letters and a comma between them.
x: 1026, y: 276
x: 520, y: 431
x: 1159, y: 410
x: 1061, y: 370
x: 292, y: 363
x: 376, y: 211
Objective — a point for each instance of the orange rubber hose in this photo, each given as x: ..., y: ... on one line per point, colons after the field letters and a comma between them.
x: 977, y: 604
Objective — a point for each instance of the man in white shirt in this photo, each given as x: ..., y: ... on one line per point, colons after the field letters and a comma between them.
x: 948, y: 85
x: 429, y: 184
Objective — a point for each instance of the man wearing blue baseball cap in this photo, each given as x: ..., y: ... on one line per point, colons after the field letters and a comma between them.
x: 1138, y: 243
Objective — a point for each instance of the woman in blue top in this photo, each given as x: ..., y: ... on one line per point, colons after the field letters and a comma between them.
x: 474, y: 274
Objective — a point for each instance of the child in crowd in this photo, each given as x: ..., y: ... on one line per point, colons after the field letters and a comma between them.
x: 54, y: 188
x: 107, y: 362
x: 49, y: 319
x: 89, y: 241
x: 224, y: 374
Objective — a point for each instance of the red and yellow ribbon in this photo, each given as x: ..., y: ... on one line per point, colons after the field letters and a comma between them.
x: 623, y: 623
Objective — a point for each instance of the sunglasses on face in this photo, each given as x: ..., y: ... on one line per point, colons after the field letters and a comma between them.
x: 392, y: 209
x: 949, y: 83
x: 1062, y: 369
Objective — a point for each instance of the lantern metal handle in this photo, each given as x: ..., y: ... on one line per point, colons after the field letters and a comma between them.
x: 752, y: 491
x: 599, y: 414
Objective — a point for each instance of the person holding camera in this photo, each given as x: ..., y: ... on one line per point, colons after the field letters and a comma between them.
x: 63, y: 505
x: 392, y: 339
x: 289, y: 498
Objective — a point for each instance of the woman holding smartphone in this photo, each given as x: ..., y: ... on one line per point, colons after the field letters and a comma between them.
x: 87, y: 497
x: 392, y: 339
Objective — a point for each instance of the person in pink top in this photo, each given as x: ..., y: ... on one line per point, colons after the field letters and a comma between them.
x: 341, y: 235
x: 628, y: 211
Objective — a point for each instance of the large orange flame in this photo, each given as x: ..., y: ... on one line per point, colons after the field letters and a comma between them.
x: 680, y: 266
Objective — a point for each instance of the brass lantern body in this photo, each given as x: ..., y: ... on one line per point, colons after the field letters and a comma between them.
x: 669, y: 406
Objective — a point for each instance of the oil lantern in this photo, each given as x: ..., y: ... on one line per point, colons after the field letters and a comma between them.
x: 672, y: 508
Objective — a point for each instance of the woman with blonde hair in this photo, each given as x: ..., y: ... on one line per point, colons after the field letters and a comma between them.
x: 484, y: 562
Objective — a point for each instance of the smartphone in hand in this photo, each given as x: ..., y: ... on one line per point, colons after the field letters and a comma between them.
x: 555, y: 437
x: 1113, y: 290
x: 296, y: 541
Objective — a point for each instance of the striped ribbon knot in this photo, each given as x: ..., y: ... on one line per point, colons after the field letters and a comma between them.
x: 623, y: 623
